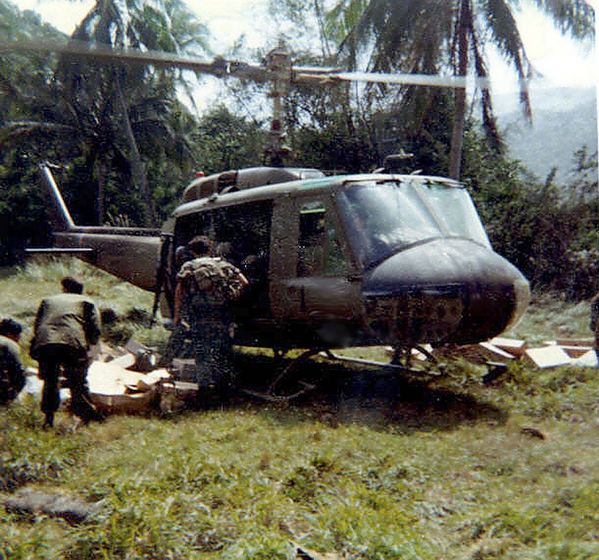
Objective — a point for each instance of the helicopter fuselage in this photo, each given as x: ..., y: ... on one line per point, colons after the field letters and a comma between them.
x: 332, y: 261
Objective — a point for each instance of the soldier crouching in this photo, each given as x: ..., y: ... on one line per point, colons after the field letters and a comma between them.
x: 12, y: 375
x: 66, y: 326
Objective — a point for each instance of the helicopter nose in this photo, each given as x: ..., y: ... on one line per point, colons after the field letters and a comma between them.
x: 445, y: 290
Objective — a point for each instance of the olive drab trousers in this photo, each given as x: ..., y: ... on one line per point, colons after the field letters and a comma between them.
x: 213, y: 356
x: 56, y: 360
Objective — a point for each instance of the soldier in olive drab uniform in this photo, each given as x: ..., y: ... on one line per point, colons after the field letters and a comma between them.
x: 12, y: 376
x: 66, y: 326
x: 205, y: 288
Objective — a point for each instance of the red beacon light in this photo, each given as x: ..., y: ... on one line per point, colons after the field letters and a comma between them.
x: 199, y: 174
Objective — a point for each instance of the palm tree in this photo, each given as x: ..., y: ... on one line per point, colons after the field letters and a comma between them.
x: 108, y: 100
x: 101, y: 114
x: 430, y: 36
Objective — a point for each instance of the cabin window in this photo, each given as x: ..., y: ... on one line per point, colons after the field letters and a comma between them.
x: 241, y: 234
x: 320, y: 250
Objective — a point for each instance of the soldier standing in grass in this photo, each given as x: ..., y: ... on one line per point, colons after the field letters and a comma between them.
x: 66, y: 326
x: 206, y: 286
x: 12, y: 376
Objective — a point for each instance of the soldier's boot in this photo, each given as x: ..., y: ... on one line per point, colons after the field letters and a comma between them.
x: 49, y: 422
x: 210, y: 381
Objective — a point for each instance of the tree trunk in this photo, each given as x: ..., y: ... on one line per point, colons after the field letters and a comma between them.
x: 457, y: 134
x: 102, y: 177
x: 326, y: 51
x: 140, y: 178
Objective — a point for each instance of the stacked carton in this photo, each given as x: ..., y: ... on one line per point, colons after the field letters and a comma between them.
x: 550, y: 354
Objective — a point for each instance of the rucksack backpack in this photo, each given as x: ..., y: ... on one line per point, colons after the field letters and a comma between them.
x: 212, y: 280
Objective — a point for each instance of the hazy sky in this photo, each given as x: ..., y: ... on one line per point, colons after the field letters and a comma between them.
x: 559, y: 60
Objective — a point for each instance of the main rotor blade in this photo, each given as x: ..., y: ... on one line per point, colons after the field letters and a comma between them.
x: 221, y: 67
x: 315, y: 75
x: 103, y: 53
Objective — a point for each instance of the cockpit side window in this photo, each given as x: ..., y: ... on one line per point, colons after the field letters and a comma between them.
x: 454, y: 209
x: 320, y: 250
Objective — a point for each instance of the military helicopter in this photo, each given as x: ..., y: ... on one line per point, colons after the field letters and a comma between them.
x: 348, y: 260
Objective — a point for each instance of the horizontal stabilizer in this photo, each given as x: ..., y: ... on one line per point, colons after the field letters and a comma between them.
x: 59, y: 250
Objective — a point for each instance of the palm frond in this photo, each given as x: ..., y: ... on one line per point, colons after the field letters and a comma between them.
x: 576, y: 17
x: 502, y: 25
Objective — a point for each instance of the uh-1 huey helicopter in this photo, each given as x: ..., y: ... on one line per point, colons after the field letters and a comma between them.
x: 333, y: 261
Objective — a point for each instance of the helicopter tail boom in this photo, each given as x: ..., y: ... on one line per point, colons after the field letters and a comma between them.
x: 131, y: 254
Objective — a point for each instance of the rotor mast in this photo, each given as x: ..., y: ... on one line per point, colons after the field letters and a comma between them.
x: 278, y: 63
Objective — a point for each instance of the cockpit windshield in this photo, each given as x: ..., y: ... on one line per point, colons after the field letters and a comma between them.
x: 383, y: 217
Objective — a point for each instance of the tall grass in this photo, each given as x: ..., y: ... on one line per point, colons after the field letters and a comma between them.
x: 22, y: 288
x: 551, y: 316
x: 384, y: 469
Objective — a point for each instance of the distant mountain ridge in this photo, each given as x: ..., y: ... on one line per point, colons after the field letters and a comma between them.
x: 564, y: 120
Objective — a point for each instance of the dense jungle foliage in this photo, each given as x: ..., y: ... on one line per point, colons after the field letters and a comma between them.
x: 125, y: 145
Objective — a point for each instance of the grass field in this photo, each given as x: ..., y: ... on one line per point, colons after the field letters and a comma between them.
x: 369, y: 468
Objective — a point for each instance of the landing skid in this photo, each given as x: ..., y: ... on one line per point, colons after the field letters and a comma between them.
x: 400, y: 362
x: 275, y: 392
